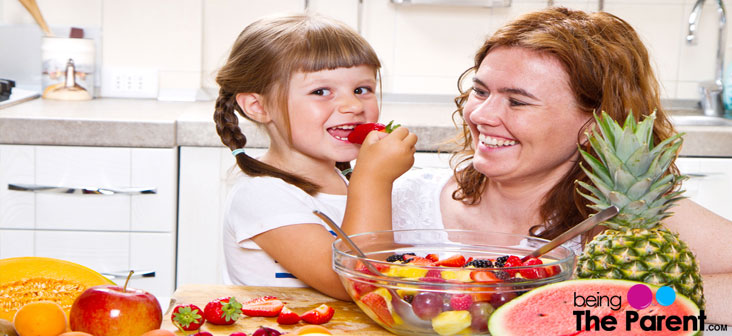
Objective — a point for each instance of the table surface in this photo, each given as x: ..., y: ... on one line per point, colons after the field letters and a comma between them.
x: 348, y: 318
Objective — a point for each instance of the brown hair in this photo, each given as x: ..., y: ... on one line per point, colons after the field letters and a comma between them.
x: 609, y: 70
x: 262, y: 60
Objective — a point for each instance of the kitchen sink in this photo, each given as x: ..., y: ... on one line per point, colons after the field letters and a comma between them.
x: 685, y: 112
x: 699, y: 120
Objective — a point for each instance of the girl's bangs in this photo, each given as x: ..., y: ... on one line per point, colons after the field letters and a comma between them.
x: 326, y: 50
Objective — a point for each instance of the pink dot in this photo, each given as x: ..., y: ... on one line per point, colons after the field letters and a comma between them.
x: 640, y: 296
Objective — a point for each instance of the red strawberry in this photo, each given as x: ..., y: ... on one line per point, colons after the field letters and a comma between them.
x: 265, y: 306
x: 534, y: 273
x: 432, y: 257
x: 360, y: 267
x: 453, y: 261
x: 223, y: 311
x: 187, y: 317
x: 433, y: 274
x: 484, y: 276
x: 361, y: 131
x: 360, y: 288
x: 418, y: 261
x: 553, y: 270
x: 288, y: 316
x: 460, y: 301
x: 513, y: 261
x: 319, y: 315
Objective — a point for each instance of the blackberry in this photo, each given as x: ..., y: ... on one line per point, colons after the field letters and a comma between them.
x: 398, y: 257
x: 479, y: 263
x: 503, y: 275
x: 394, y: 257
x: 500, y: 261
x: 408, y: 298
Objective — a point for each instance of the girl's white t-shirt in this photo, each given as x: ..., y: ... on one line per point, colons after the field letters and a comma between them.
x: 258, y: 204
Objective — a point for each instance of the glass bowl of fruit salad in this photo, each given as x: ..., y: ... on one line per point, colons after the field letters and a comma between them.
x: 452, y: 280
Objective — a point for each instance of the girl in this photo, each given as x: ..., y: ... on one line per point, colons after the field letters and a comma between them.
x: 308, y: 81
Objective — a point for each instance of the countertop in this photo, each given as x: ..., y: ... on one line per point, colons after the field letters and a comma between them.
x: 151, y: 123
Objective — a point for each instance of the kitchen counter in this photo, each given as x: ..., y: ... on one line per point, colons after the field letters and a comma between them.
x: 151, y: 123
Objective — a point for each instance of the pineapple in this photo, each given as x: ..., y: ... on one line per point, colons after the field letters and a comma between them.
x: 631, y: 174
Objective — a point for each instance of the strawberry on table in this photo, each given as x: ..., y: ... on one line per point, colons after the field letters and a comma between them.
x: 265, y: 306
x: 288, y: 316
x: 319, y: 315
x: 359, y: 133
x: 222, y: 311
x: 187, y: 317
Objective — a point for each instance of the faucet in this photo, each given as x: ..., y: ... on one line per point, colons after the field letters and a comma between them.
x: 711, y: 91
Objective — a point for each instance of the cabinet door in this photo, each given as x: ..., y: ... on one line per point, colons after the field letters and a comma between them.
x: 17, y: 165
x: 92, y: 168
x: 156, y: 168
x: 110, y: 253
x: 709, y: 183
x: 89, y: 167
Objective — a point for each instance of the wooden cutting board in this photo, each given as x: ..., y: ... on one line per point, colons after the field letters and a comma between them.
x: 348, y: 318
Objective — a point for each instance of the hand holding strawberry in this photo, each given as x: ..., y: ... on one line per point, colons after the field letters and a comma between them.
x: 222, y: 311
x: 358, y: 135
x: 187, y: 317
x: 384, y: 158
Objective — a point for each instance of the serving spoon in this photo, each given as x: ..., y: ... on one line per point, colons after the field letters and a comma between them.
x: 578, y: 229
x: 401, y: 307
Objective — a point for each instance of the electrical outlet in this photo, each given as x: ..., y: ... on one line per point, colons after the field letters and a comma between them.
x: 126, y: 82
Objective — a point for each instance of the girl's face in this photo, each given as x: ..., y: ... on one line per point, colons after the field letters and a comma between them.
x: 324, y: 107
x: 523, y: 117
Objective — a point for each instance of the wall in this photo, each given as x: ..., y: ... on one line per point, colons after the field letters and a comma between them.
x: 423, y: 48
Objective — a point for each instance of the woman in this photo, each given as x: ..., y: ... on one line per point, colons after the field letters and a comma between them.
x: 535, y: 85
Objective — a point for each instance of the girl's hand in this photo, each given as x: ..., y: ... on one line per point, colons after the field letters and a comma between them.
x: 386, y: 156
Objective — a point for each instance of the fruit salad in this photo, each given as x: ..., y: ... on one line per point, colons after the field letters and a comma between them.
x: 457, y: 294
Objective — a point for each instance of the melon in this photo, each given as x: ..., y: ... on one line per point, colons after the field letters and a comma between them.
x: 30, y: 279
x: 552, y: 310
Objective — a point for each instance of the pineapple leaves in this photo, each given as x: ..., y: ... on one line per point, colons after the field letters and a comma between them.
x: 645, y: 130
x: 598, y: 169
x: 594, y: 191
x: 628, y: 171
x: 628, y: 143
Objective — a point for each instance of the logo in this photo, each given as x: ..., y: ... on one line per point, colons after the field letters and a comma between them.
x: 639, y: 297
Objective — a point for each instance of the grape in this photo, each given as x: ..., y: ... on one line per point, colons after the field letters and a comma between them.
x: 427, y: 305
x: 480, y: 312
x: 498, y: 299
x: 264, y: 331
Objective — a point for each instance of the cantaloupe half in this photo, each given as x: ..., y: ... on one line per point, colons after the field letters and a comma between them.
x: 29, y: 279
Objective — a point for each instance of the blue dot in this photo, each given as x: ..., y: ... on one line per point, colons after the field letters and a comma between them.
x: 665, y: 296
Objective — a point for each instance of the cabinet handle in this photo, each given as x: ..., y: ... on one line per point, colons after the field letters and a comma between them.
x: 85, y: 191
x: 123, y: 274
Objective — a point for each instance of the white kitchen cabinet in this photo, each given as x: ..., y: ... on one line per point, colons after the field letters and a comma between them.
x: 709, y: 183
x: 205, y: 177
x: 110, y: 233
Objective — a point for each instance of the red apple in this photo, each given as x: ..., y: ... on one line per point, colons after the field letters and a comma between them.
x: 109, y: 310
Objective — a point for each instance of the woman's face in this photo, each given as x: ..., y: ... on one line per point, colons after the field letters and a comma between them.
x: 523, y: 117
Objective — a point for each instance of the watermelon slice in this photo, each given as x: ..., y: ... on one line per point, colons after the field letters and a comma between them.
x: 550, y: 310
